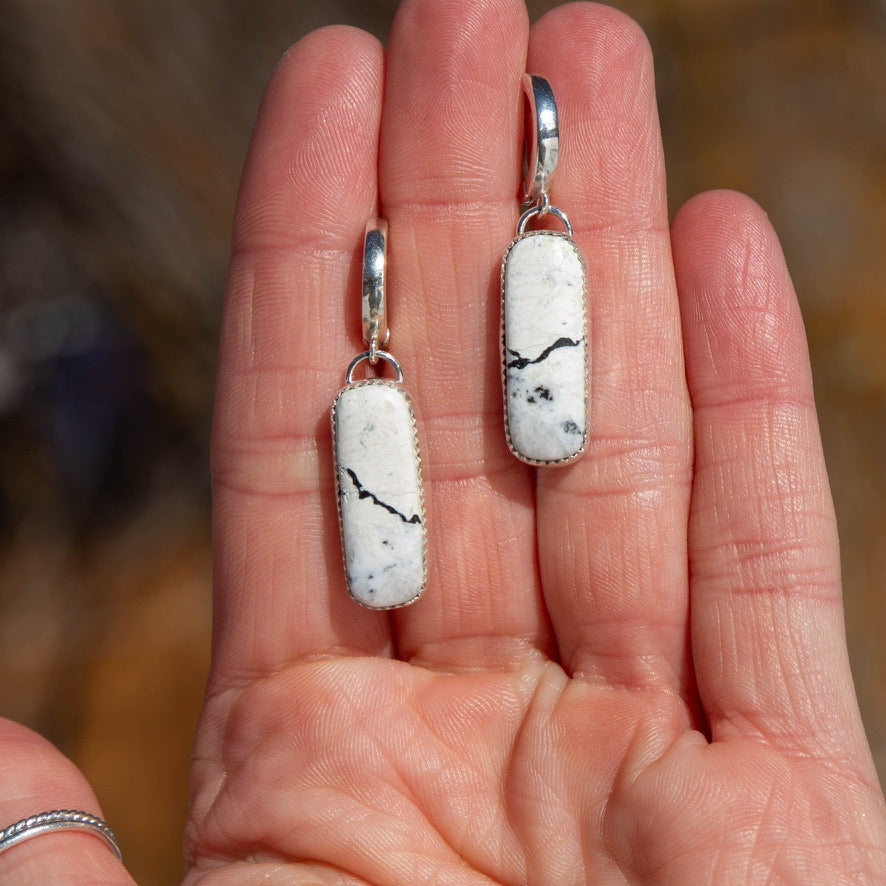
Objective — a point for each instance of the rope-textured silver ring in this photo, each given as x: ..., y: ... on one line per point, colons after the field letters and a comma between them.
x: 59, y: 819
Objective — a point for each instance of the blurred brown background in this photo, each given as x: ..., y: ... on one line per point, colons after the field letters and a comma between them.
x: 125, y: 123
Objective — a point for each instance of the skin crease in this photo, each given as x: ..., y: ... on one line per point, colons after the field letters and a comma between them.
x: 549, y: 712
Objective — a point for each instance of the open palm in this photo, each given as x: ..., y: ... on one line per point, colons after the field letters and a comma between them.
x: 548, y: 713
x: 628, y: 670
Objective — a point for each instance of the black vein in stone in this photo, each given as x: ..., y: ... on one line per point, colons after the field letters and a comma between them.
x: 522, y: 362
x: 365, y: 493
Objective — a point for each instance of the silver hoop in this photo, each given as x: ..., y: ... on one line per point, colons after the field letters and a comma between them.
x: 375, y: 315
x: 367, y: 355
x: 542, y: 144
x: 59, y: 819
x: 541, y: 210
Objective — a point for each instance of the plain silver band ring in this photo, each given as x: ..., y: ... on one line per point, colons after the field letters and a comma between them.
x: 58, y: 819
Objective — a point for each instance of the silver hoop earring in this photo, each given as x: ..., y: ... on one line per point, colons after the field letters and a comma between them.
x: 377, y: 463
x: 544, y: 335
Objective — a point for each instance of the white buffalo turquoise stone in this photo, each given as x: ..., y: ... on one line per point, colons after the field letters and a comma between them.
x: 380, y: 502
x: 544, y: 348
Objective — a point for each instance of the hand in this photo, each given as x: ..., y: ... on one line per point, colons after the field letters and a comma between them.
x: 548, y: 713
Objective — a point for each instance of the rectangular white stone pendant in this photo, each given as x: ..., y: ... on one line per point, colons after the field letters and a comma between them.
x: 544, y: 348
x: 380, y: 500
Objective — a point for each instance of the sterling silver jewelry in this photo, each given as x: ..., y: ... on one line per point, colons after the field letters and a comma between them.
x: 544, y: 334
x: 377, y: 462
x: 59, y: 820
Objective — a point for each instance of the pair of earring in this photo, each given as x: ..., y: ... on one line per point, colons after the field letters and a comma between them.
x: 377, y: 461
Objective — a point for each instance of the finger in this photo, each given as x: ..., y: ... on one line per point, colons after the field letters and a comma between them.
x: 35, y: 777
x: 288, y: 334
x: 448, y: 182
x: 612, y: 526
x: 768, y: 641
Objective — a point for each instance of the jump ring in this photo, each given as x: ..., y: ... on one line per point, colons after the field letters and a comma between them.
x: 367, y: 355
x: 539, y: 211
